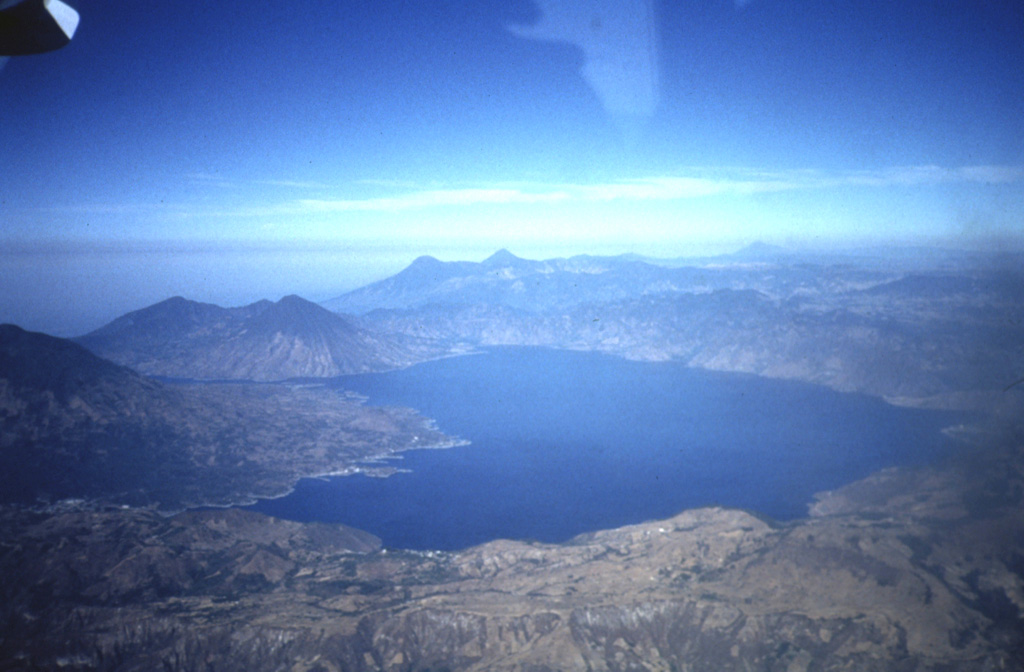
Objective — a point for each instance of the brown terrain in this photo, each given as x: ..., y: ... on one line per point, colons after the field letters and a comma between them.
x: 909, y: 569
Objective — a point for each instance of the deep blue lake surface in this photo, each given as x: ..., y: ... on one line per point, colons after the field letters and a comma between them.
x: 570, y: 442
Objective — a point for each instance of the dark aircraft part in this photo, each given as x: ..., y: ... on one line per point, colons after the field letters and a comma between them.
x: 35, y: 26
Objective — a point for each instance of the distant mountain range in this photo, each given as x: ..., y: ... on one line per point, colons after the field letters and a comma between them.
x: 504, y: 279
x: 73, y: 425
x: 949, y: 336
x: 264, y: 341
x: 916, y: 569
x: 938, y: 337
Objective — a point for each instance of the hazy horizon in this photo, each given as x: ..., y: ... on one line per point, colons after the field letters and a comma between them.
x: 250, y: 275
x: 248, y: 151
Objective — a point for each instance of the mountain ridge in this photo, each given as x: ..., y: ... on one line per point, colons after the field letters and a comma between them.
x: 73, y: 425
x: 940, y: 338
x: 262, y: 341
x: 65, y: 369
x: 916, y: 569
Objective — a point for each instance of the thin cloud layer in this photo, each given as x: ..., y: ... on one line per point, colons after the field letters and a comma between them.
x: 668, y: 188
x: 700, y: 184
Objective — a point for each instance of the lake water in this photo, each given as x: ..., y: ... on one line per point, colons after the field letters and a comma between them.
x: 568, y: 442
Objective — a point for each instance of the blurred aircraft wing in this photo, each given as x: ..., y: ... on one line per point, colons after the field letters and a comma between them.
x: 35, y: 26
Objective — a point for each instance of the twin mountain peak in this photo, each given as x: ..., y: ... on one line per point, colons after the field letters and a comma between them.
x: 290, y: 338
x: 296, y: 338
x: 762, y: 310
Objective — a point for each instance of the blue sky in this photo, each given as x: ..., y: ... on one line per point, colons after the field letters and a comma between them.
x: 234, y: 151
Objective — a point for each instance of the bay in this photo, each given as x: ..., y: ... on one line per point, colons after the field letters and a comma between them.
x: 565, y: 442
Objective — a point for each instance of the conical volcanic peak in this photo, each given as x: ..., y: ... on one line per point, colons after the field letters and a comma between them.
x: 290, y: 338
x: 502, y: 258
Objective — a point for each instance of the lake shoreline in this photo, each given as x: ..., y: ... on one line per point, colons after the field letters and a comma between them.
x: 440, y: 380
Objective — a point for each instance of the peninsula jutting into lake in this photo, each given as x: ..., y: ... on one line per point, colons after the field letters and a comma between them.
x: 512, y: 336
x: 562, y: 442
